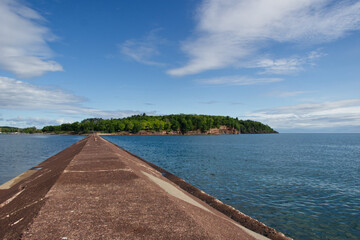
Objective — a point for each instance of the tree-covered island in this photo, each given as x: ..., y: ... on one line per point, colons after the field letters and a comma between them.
x: 166, y: 124
x: 147, y: 125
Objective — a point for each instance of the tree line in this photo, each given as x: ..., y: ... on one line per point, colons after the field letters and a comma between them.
x: 20, y: 130
x: 181, y: 122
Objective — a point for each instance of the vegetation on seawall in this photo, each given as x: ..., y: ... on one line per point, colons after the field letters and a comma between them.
x: 146, y: 125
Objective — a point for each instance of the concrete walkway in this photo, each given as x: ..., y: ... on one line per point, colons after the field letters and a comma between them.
x: 106, y: 193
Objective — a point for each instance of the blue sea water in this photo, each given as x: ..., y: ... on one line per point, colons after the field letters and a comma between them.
x: 304, y: 185
x: 19, y: 153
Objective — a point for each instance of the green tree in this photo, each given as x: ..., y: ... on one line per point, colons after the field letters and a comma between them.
x: 129, y: 126
x: 137, y: 127
x: 121, y: 126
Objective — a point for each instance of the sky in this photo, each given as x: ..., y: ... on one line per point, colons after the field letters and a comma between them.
x: 294, y: 65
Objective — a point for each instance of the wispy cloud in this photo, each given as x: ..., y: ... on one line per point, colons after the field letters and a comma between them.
x: 145, y: 49
x: 287, y: 93
x: 238, y: 80
x: 16, y: 94
x: 286, y: 65
x: 341, y: 113
x: 230, y: 32
x: 21, y: 121
x: 20, y: 95
x: 81, y: 111
x: 23, y: 41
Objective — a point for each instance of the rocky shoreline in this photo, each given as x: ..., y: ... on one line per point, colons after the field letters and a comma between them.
x: 213, y: 131
x: 223, y: 130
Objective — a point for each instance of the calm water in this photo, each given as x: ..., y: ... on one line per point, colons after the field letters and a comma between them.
x: 304, y: 185
x: 18, y: 153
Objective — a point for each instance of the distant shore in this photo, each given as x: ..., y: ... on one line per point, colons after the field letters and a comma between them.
x: 175, y: 124
x: 213, y: 131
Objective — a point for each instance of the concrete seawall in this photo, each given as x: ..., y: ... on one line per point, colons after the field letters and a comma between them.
x: 96, y: 190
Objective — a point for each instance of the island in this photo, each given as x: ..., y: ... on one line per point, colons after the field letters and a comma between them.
x: 175, y: 124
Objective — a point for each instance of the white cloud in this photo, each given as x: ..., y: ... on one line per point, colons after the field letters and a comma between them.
x: 19, y: 95
x: 16, y: 94
x: 81, y: 111
x: 238, y: 80
x: 280, y: 66
x: 23, y: 41
x: 285, y: 65
x: 29, y: 122
x: 231, y: 32
x: 341, y: 113
x: 143, y: 50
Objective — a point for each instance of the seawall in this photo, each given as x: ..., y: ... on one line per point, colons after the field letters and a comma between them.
x: 97, y: 190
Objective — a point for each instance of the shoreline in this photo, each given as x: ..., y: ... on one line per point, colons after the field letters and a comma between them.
x: 133, y: 134
x: 147, y: 133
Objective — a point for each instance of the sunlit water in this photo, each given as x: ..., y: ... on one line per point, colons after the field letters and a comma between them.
x: 18, y: 153
x: 304, y: 185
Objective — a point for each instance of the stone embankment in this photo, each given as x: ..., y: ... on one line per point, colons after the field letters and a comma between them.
x: 96, y: 190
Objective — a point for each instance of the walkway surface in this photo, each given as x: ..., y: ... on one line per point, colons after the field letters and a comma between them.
x: 104, y: 192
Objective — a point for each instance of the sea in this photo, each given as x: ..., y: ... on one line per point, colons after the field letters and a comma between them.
x: 306, y: 186
x: 20, y: 152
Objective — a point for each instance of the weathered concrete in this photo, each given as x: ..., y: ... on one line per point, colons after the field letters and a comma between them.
x: 99, y: 191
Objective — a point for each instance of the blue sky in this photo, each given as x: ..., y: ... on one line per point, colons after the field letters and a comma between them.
x: 293, y: 65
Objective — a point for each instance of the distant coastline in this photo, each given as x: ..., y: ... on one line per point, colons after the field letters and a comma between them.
x: 223, y: 130
x: 180, y: 124
x: 213, y: 131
